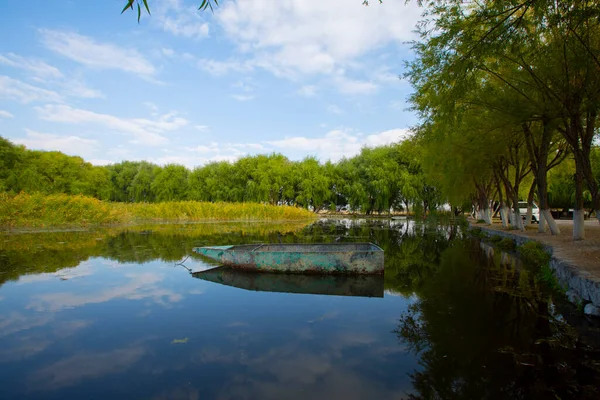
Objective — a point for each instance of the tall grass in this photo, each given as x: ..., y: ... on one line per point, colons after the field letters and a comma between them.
x: 61, y: 210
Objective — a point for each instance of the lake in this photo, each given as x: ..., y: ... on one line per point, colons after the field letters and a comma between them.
x: 116, y: 313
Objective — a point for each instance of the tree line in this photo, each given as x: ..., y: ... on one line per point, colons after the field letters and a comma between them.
x: 376, y: 180
x: 508, y: 94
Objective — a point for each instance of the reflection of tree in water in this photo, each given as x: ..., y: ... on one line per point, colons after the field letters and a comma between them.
x: 484, y: 330
x: 51, y: 251
x: 47, y: 252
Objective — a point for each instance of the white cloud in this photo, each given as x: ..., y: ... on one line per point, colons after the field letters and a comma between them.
x: 144, y: 131
x: 89, y: 52
x: 67, y: 144
x: 350, y: 86
x: 387, y: 137
x: 38, y: 68
x: 99, y: 161
x: 79, y: 89
x: 398, y: 105
x: 319, y: 37
x: 242, y: 97
x: 48, y: 75
x: 338, y: 143
x: 165, y: 51
x: 334, y: 145
x: 174, y: 17
x: 22, y: 92
x: 308, y: 91
x: 193, y: 161
x: 218, y: 68
x: 332, y: 108
x: 5, y: 114
x: 383, y: 75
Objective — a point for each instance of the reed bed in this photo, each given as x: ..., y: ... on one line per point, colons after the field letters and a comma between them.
x: 61, y: 210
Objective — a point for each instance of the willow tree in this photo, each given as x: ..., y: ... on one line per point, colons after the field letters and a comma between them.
x: 552, y: 45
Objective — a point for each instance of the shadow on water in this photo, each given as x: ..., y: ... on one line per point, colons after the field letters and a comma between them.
x: 87, y: 314
x: 360, y: 286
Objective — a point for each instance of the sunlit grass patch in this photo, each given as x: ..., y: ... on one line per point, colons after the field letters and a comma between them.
x: 61, y: 210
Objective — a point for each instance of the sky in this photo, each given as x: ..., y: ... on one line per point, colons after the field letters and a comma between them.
x: 297, y: 77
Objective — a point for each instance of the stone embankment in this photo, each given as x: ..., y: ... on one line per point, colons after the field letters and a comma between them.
x: 575, y: 263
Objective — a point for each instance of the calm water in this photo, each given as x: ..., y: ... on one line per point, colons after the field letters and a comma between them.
x: 112, y: 314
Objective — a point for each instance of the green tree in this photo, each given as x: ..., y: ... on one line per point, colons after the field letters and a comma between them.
x: 171, y: 183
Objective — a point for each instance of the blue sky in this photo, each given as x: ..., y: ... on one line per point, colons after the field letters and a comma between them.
x: 291, y: 76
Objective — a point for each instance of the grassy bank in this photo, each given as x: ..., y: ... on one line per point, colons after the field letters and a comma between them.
x: 39, y: 211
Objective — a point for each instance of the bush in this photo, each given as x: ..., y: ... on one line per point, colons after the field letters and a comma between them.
x: 506, y: 244
x: 477, y: 233
x: 495, y: 239
x: 534, y: 254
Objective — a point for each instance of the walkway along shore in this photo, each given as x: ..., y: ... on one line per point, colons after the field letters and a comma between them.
x: 575, y: 263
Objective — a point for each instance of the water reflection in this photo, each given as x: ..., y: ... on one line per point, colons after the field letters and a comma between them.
x: 509, y: 343
x: 362, y: 286
x: 108, y: 315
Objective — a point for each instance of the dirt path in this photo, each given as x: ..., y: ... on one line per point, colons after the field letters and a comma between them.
x: 584, y: 254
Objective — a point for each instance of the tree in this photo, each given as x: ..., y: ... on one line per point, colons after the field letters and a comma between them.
x: 544, y: 52
x: 171, y: 183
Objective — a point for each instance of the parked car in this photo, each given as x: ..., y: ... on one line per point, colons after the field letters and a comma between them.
x: 535, y: 211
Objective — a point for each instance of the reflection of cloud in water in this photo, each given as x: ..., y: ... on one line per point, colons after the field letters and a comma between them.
x: 140, y: 286
x: 236, y: 324
x: 297, y: 371
x: 329, y: 315
x: 294, y: 373
x: 72, y: 370
x: 186, y: 393
x: 16, y: 322
x: 23, y: 346
x: 83, y: 269
x: 26, y: 346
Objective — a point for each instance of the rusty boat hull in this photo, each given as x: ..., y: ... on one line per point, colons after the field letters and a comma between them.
x: 335, y: 258
x: 329, y: 285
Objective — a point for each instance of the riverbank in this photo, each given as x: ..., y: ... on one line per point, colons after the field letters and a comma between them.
x: 24, y: 211
x: 576, y: 263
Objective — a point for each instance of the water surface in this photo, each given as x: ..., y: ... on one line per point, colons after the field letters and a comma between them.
x: 117, y: 314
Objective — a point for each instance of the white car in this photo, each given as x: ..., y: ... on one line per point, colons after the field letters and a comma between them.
x: 535, y: 212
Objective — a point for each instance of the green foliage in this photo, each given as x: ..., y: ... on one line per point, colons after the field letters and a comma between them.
x: 374, y: 181
x: 495, y: 239
x: 506, y: 244
x: 534, y: 254
x: 477, y: 233
x: 548, y: 277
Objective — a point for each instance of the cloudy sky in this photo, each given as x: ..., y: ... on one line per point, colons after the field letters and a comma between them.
x: 298, y: 77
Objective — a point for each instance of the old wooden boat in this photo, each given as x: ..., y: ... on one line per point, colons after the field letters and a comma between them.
x: 327, y: 258
x: 330, y: 285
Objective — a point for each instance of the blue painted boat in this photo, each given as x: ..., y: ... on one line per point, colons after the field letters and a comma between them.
x: 329, y: 285
x: 326, y: 258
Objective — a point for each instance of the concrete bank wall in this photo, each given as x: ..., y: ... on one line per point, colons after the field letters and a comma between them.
x: 581, y: 288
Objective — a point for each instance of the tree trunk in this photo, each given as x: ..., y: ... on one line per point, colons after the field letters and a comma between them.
x: 578, y: 214
x: 539, y: 153
x: 530, y: 195
x: 502, y: 207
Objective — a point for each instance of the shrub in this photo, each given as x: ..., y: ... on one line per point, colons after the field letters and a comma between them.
x: 477, y: 233
x: 506, y: 244
x: 535, y: 254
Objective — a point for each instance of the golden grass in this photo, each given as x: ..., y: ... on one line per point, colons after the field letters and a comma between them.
x: 61, y: 210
